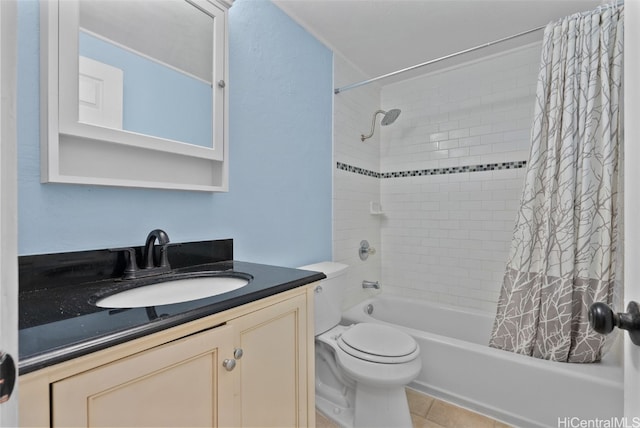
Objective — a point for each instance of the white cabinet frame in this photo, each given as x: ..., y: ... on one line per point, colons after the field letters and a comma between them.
x: 80, y: 153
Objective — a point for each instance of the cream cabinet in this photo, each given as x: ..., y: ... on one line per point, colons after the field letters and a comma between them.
x: 182, y: 383
x: 273, y: 372
x: 249, y: 366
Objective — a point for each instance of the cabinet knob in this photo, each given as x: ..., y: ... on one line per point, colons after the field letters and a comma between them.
x: 238, y: 353
x: 229, y: 364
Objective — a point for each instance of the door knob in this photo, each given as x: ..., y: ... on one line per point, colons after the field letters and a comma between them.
x: 7, y: 376
x: 603, y: 319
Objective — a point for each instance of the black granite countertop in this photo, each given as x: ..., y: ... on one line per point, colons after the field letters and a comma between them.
x: 58, y: 322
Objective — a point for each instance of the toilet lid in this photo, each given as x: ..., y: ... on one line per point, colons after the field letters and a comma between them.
x: 378, y: 343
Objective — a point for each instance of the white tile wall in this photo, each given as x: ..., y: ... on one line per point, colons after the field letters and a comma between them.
x: 352, y: 193
x: 446, y: 237
x: 443, y: 237
x: 472, y: 114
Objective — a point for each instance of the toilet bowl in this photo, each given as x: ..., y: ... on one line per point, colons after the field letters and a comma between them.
x: 361, y: 369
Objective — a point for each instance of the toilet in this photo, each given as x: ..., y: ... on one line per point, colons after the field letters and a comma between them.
x: 361, y: 369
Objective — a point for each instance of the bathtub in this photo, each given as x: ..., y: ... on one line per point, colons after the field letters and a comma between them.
x: 459, y: 367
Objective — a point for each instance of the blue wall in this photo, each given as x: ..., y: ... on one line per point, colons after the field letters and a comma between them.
x: 157, y: 100
x: 278, y: 209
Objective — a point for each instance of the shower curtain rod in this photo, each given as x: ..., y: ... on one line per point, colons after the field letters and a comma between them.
x: 612, y: 3
x: 433, y: 61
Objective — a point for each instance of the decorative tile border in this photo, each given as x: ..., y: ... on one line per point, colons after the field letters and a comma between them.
x: 433, y: 171
x: 357, y: 170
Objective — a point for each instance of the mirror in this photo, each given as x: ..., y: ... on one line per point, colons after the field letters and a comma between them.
x: 134, y: 93
x: 155, y: 81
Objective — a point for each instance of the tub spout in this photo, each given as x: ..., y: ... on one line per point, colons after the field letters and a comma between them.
x: 371, y: 284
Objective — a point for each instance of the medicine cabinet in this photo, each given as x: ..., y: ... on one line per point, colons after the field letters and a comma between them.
x: 134, y: 93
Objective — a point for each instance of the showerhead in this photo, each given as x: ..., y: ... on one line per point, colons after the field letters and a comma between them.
x: 388, y: 118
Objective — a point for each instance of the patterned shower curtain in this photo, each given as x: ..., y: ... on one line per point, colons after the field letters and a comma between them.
x: 566, y: 251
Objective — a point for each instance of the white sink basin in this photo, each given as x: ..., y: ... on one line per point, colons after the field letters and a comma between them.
x: 174, y: 291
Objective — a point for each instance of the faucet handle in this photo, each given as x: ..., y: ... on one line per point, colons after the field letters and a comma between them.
x: 365, y: 250
x: 164, y: 258
x: 131, y: 267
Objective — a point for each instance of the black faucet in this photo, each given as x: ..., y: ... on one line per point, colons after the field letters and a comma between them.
x: 150, y: 268
x: 163, y: 240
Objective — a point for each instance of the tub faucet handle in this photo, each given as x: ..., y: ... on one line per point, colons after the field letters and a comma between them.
x: 365, y: 250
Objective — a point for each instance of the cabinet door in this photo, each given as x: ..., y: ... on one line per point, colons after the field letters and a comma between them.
x: 181, y: 383
x: 273, y: 368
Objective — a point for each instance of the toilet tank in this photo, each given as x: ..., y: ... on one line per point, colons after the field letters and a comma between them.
x: 328, y: 294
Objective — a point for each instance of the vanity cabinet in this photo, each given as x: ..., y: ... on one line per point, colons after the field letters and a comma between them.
x: 248, y: 366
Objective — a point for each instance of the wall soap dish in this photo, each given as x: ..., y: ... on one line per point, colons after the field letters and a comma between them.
x: 375, y: 208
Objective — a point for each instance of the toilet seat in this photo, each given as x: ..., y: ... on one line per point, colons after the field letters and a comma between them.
x: 387, y: 372
x: 378, y: 343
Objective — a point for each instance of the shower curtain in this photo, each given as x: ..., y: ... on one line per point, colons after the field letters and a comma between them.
x: 566, y: 251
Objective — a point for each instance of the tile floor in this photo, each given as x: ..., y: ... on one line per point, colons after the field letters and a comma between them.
x: 429, y: 412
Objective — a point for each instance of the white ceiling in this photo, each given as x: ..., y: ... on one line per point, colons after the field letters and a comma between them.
x: 381, y: 36
x: 182, y: 35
